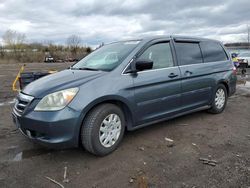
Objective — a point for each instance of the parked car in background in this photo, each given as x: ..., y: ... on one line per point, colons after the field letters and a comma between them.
x: 49, y: 59
x: 71, y: 59
x: 235, y: 59
x: 244, y: 57
x: 125, y: 85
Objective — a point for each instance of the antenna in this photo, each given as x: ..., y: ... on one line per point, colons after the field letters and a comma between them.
x: 248, y: 36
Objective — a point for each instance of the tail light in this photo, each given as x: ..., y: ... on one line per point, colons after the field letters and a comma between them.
x: 234, y: 71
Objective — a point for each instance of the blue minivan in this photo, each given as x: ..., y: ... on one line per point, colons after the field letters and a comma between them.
x: 125, y: 85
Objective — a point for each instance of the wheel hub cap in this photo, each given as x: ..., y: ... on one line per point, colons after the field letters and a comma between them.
x: 110, y: 130
x: 220, y: 98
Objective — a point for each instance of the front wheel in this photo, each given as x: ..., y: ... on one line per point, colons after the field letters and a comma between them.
x: 103, y: 129
x: 219, y: 100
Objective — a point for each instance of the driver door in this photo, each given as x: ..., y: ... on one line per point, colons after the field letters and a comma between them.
x: 157, y: 91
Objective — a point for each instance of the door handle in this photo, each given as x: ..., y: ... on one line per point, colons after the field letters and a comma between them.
x: 188, y: 73
x: 172, y: 75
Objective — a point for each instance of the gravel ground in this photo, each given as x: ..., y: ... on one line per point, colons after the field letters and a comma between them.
x: 144, y: 159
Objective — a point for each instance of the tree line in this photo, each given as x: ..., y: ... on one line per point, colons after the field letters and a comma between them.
x: 239, y: 44
x: 16, y: 49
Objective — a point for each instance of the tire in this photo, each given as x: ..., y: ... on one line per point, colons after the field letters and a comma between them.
x: 244, y: 71
x: 101, y: 138
x: 218, y: 107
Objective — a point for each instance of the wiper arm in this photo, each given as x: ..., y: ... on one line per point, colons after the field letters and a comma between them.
x: 87, y: 68
x: 84, y: 68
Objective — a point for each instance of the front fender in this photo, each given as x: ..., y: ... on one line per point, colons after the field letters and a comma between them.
x: 110, y: 99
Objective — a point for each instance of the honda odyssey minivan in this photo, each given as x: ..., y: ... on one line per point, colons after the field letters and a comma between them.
x: 125, y: 85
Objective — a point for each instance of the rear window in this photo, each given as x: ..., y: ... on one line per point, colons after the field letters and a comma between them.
x: 212, y: 51
x: 188, y: 53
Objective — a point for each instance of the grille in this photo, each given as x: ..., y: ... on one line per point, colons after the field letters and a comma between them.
x: 22, y: 101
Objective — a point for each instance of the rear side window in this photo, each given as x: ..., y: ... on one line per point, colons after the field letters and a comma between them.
x: 212, y: 51
x: 188, y: 53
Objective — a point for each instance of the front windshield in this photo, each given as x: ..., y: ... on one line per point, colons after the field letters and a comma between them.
x: 107, y: 57
x: 244, y: 54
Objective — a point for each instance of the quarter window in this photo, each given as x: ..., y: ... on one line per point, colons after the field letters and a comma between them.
x: 188, y: 53
x: 160, y: 54
x: 212, y: 51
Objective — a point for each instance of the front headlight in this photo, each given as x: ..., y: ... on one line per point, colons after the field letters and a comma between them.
x: 245, y: 61
x: 56, y: 101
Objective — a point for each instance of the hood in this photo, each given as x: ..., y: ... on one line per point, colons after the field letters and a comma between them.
x: 59, y: 81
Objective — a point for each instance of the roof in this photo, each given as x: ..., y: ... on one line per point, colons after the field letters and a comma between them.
x: 177, y: 37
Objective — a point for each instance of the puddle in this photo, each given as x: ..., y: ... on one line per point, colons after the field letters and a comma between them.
x: 26, y: 154
x: 12, y: 102
x: 12, y: 147
x: 8, y: 102
x: 18, y: 157
x: 243, y: 87
x: 243, y: 84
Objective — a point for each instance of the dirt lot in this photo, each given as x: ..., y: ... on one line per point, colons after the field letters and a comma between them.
x: 145, y: 157
x: 8, y: 73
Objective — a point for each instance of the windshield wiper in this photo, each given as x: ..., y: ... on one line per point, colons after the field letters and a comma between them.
x: 84, y: 68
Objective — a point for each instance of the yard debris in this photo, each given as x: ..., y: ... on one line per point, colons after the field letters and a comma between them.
x: 197, y: 147
x: 141, y: 148
x: 168, y: 139
x: 65, y: 179
x: 142, y: 182
x: 54, y: 181
x: 131, y: 180
x: 208, y: 161
x: 183, y: 124
x: 170, y: 142
x: 144, y: 163
x: 139, y: 171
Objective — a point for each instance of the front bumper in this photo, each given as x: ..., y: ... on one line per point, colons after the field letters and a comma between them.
x: 53, y: 129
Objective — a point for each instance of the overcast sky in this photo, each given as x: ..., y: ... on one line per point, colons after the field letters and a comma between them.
x: 99, y: 21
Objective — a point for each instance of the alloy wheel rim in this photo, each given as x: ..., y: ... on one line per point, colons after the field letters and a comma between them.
x: 110, y: 130
x: 220, y: 98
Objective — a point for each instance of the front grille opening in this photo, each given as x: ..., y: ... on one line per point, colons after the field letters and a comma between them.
x: 21, y: 104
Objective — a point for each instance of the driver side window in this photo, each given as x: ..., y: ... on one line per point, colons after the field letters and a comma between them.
x: 160, y: 54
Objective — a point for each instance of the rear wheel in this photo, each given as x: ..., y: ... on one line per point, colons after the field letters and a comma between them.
x: 219, y: 100
x: 103, y: 129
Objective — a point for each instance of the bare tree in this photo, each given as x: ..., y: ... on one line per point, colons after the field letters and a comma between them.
x: 2, y: 51
x: 74, y: 43
x: 13, y: 38
x: 15, y: 41
x: 88, y: 50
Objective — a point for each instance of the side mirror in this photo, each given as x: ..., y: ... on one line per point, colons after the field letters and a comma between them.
x: 143, y: 64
